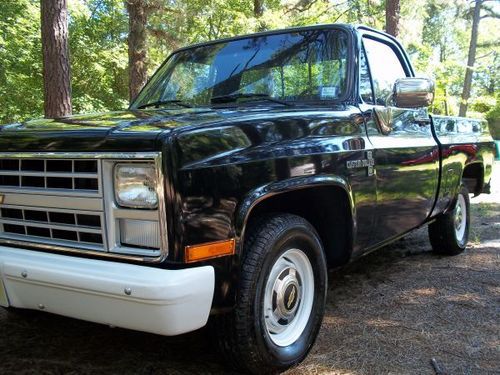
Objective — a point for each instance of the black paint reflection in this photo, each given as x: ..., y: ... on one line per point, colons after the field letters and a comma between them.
x: 407, y: 168
x: 231, y: 161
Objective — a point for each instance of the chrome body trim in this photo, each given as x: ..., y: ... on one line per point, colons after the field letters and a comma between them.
x: 91, y: 201
x: 60, y: 194
x: 49, y: 244
x: 81, y: 155
x: 62, y: 249
x: 162, y: 212
x: 14, y: 198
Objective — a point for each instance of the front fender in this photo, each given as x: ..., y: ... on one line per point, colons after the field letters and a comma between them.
x: 258, y: 195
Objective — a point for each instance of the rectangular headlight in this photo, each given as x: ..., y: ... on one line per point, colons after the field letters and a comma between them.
x: 135, y: 185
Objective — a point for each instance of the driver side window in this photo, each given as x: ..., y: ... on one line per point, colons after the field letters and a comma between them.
x: 385, y: 68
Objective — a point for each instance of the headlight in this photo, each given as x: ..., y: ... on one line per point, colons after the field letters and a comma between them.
x: 135, y: 185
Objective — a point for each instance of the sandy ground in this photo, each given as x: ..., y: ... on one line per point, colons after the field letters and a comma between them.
x: 390, y: 312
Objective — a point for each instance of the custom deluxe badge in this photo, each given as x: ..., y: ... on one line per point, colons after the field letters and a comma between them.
x: 369, y: 162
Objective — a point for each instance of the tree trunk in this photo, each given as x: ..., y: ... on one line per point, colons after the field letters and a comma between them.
x: 470, y: 59
x: 258, y: 8
x: 258, y: 12
x: 137, y: 47
x: 446, y: 111
x: 56, y: 65
x: 392, y: 10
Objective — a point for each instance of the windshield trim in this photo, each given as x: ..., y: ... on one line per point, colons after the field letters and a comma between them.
x: 348, y: 29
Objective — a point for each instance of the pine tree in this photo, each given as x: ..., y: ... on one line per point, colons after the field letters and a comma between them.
x: 56, y: 64
x: 137, y: 46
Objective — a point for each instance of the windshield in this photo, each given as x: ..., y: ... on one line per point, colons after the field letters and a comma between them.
x: 296, y: 66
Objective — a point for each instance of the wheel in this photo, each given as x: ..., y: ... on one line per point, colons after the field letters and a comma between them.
x: 449, y: 234
x: 281, y: 297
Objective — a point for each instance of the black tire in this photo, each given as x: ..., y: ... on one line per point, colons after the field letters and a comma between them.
x: 446, y: 235
x: 243, y: 335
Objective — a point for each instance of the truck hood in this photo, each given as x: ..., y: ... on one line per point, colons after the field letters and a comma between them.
x: 131, y: 130
x: 123, y: 130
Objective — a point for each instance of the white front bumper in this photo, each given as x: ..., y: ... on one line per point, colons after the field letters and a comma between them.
x: 165, y: 302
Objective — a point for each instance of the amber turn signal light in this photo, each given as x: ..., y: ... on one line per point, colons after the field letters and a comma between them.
x: 209, y: 250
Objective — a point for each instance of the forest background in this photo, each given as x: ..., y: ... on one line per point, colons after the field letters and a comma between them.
x: 111, y: 47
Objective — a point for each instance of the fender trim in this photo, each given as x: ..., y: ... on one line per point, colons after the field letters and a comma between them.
x: 264, y: 192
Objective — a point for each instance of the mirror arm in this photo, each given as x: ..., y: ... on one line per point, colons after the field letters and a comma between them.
x: 421, y: 117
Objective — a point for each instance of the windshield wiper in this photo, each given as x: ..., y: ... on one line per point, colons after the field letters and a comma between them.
x: 235, y: 97
x: 158, y: 103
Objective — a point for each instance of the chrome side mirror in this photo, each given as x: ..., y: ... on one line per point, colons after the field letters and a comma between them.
x: 412, y: 92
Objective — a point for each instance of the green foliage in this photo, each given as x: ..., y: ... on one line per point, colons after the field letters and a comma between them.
x: 21, y: 83
x: 98, y: 46
x: 493, y: 117
x: 483, y: 104
x: 435, y: 32
x: 98, y: 31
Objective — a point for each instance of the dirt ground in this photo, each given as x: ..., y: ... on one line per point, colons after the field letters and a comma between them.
x: 390, y: 312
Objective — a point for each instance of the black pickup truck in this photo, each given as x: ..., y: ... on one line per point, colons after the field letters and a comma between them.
x: 243, y: 171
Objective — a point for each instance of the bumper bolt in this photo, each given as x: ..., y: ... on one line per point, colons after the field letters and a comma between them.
x: 41, y: 306
x: 128, y: 291
x: 24, y: 274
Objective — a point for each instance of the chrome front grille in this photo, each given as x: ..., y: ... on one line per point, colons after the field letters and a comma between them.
x: 65, y: 202
x: 35, y: 210
x: 83, y: 229
x: 63, y: 175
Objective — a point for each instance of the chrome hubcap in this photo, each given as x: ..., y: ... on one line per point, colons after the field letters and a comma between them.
x: 288, y: 297
x: 460, y: 218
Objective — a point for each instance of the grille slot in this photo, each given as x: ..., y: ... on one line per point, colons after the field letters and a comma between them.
x: 31, y: 215
x: 9, y: 164
x: 59, y: 166
x: 67, y: 175
x: 91, y: 237
x: 12, y: 213
x: 62, y: 218
x: 10, y: 181
x: 71, y: 228
x: 88, y: 220
x: 17, y: 229
x: 35, y: 165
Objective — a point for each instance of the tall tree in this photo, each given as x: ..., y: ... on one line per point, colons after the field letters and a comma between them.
x: 471, y: 59
x: 137, y: 46
x: 392, y: 14
x: 258, y: 8
x: 258, y: 12
x: 56, y: 65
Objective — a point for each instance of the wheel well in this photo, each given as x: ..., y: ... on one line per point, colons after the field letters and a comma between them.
x: 326, y: 208
x: 473, y: 176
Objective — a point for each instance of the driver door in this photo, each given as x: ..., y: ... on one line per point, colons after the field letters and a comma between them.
x: 405, y: 153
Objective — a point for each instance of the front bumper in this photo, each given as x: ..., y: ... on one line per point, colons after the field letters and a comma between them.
x: 165, y: 302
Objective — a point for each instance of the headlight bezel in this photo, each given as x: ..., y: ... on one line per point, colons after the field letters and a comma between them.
x: 152, y: 186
